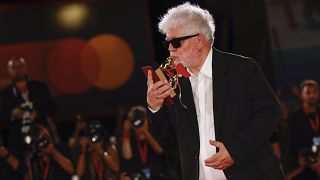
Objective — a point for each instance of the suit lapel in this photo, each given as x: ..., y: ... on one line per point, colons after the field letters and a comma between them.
x: 220, y: 82
x: 187, y: 99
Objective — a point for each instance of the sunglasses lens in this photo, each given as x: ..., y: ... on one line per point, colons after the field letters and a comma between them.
x: 176, y: 43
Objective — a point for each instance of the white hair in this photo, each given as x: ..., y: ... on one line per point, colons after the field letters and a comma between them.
x: 191, y: 19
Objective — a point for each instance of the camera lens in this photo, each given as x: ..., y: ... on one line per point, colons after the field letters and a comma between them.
x: 137, y: 123
x: 95, y: 131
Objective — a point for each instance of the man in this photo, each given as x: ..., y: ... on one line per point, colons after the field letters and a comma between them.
x: 24, y: 101
x: 304, y: 132
x: 231, y: 110
x: 23, y: 89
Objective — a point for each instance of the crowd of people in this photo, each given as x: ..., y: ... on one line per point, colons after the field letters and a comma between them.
x: 32, y: 148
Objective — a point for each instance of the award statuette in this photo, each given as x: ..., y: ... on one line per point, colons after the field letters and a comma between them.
x: 170, y: 72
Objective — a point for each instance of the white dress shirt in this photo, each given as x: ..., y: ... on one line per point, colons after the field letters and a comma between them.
x: 203, y: 99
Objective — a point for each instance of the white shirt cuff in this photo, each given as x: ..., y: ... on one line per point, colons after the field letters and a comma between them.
x: 154, y: 110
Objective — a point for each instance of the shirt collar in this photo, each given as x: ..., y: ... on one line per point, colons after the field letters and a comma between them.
x: 206, y: 68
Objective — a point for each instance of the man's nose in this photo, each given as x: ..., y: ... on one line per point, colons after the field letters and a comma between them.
x: 171, y: 48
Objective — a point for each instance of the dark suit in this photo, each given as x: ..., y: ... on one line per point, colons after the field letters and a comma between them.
x: 245, y: 114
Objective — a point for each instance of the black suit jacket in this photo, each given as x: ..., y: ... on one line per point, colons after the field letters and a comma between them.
x: 245, y: 115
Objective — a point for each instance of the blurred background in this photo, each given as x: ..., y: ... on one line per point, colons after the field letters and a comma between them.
x: 90, y: 52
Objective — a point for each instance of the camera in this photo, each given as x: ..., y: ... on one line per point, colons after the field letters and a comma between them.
x: 137, y: 122
x: 38, y: 139
x: 95, y: 132
x: 310, y: 155
x: 137, y: 115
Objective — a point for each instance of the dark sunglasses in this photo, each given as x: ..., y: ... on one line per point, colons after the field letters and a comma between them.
x: 176, y: 42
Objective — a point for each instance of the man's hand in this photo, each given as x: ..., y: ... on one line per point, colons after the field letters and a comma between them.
x: 315, y: 166
x: 127, y: 125
x: 221, y: 160
x: 50, y: 149
x: 157, y: 92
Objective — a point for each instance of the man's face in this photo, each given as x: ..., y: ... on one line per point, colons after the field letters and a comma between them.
x: 22, y: 86
x: 310, y: 95
x: 15, y: 66
x: 188, y: 52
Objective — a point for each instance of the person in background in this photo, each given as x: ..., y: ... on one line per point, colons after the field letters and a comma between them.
x: 97, y: 159
x: 46, y: 160
x: 304, y: 134
x: 139, y: 147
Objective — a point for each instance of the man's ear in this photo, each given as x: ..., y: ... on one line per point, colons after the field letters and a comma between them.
x: 200, y: 41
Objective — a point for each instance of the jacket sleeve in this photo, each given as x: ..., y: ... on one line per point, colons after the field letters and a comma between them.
x: 266, y: 113
x: 161, y: 127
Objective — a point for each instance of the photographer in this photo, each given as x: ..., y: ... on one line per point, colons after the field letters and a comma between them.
x: 96, y: 159
x: 304, y: 133
x: 24, y: 102
x: 47, y: 161
x: 140, y: 149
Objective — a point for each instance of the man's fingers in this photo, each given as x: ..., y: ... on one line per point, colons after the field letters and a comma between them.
x: 162, y: 89
x: 159, y: 89
x: 150, y: 79
x: 216, y: 143
x: 220, y: 164
x: 155, y: 86
x: 213, y: 158
x: 167, y: 93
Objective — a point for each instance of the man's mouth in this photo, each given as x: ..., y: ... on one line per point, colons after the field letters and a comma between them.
x: 175, y: 59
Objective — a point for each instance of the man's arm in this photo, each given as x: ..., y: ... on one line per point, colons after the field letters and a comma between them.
x: 266, y: 114
x: 159, y: 121
x: 64, y: 162
x: 9, y: 158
